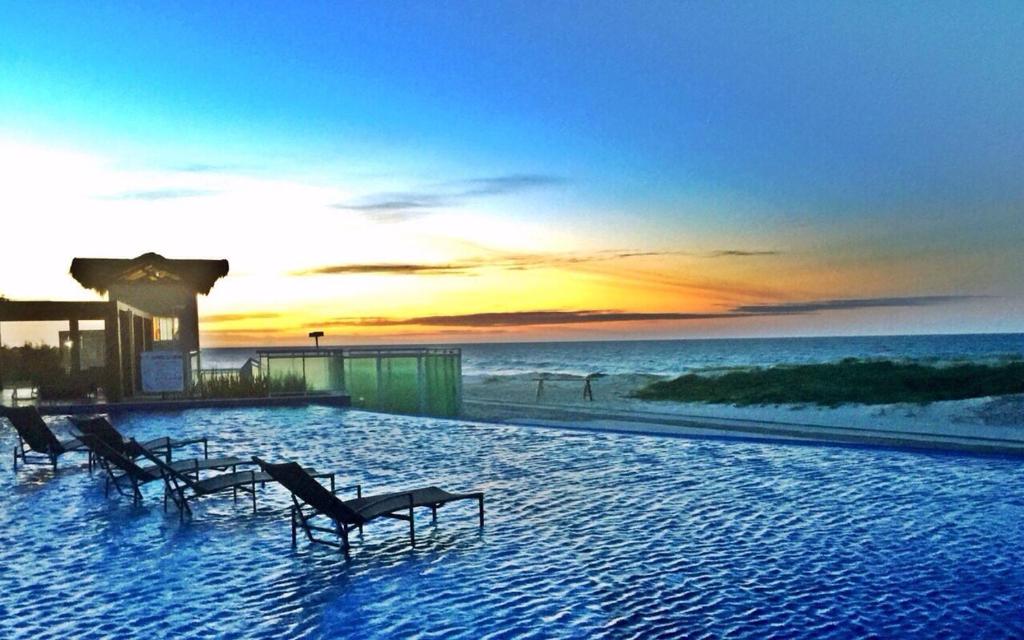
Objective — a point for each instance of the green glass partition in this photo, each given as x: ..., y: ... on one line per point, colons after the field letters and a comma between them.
x: 442, y: 378
x: 361, y: 381
x: 285, y: 374
x: 399, y: 385
x: 423, y: 381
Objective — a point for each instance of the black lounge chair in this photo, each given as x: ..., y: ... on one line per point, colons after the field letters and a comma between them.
x: 36, y: 436
x: 103, y: 429
x: 177, y: 481
x: 311, y: 499
x: 124, y: 473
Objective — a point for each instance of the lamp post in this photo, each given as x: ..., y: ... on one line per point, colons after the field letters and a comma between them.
x: 316, y: 335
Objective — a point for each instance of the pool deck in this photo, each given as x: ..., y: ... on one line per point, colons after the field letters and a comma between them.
x: 655, y: 423
x: 181, y: 404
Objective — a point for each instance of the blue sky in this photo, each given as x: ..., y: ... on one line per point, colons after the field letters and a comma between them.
x: 857, y: 139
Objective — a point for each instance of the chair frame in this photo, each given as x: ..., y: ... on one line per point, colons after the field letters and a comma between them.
x: 302, y: 514
x: 29, y: 455
x: 128, y: 476
x: 107, y: 458
x: 164, y: 445
x: 176, y: 482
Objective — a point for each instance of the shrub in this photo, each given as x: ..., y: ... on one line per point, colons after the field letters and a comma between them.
x: 848, y: 381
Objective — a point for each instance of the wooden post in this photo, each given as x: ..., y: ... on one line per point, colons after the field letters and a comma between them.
x: 188, y: 325
x: 112, y: 338
x: 76, y: 347
x: 2, y: 379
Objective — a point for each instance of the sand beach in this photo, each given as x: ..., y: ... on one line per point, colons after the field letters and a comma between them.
x: 984, y: 425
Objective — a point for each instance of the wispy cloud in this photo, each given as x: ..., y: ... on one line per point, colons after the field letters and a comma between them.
x: 502, y: 261
x: 233, y: 317
x: 386, y: 268
x: 522, y: 318
x: 846, y: 304
x: 394, y: 207
x: 505, y: 261
x: 740, y: 253
x: 161, y: 194
x: 254, y: 336
x: 589, y: 316
x: 501, y: 185
x: 406, y: 202
x: 401, y: 205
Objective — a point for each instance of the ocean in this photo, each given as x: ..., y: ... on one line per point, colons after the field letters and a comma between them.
x: 675, y: 357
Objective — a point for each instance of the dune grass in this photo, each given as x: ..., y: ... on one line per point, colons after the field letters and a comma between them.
x: 849, y: 381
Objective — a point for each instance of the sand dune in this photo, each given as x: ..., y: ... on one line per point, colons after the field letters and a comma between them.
x: 513, y: 398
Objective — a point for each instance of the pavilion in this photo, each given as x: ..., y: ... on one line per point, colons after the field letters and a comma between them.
x: 151, y: 310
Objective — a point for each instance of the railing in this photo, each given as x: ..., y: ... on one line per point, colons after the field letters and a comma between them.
x: 421, y: 380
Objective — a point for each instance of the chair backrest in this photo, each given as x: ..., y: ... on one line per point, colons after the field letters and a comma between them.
x: 33, y: 429
x: 165, y: 469
x: 100, y: 428
x: 305, y: 487
x: 115, y: 457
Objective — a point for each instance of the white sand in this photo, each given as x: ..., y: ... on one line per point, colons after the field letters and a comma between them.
x: 513, y: 399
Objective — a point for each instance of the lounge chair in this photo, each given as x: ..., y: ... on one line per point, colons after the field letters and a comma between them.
x: 35, y: 435
x: 102, y: 428
x: 177, y: 481
x: 311, y: 499
x: 124, y: 473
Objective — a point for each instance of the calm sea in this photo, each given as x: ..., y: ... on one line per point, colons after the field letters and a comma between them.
x: 667, y: 357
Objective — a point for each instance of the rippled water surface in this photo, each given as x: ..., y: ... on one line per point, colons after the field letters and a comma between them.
x: 587, y: 535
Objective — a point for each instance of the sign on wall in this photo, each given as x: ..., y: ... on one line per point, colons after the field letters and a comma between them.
x: 162, y: 372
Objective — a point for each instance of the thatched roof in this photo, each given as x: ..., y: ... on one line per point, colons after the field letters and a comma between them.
x: 101, y: 273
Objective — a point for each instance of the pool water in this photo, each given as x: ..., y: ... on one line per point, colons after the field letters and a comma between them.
x: 587, y: 536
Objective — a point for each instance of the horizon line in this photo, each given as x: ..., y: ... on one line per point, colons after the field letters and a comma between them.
x: 584, y: 340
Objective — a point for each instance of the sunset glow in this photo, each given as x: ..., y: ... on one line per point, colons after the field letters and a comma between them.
x: 633, y: 176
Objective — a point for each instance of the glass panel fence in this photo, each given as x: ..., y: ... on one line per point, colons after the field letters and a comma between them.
x: 399, y: 380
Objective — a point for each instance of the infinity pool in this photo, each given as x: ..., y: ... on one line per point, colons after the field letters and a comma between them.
x: 587, y: 535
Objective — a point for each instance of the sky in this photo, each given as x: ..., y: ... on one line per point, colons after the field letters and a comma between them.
x: 486, y: 171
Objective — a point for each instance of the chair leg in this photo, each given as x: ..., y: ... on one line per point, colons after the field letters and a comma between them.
x: 293, y: 527
x: 15, y: 458
x: 359, y: 494
x: 412, y: 529
x: 183, y: 508
x: 254, y: 497
x: 481, y: 500
x: 433, y: 513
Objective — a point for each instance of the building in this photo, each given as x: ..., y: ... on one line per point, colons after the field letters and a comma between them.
x: 150, y: 318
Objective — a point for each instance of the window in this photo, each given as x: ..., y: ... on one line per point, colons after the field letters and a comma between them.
x: 165, y: 329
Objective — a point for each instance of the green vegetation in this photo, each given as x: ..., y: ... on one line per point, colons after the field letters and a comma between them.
x: 231, y: 387
x: 234, y: 386
x: 848, y: 381
x: 291, y: 383
x: 40, y: 366
x: 29, y: 363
